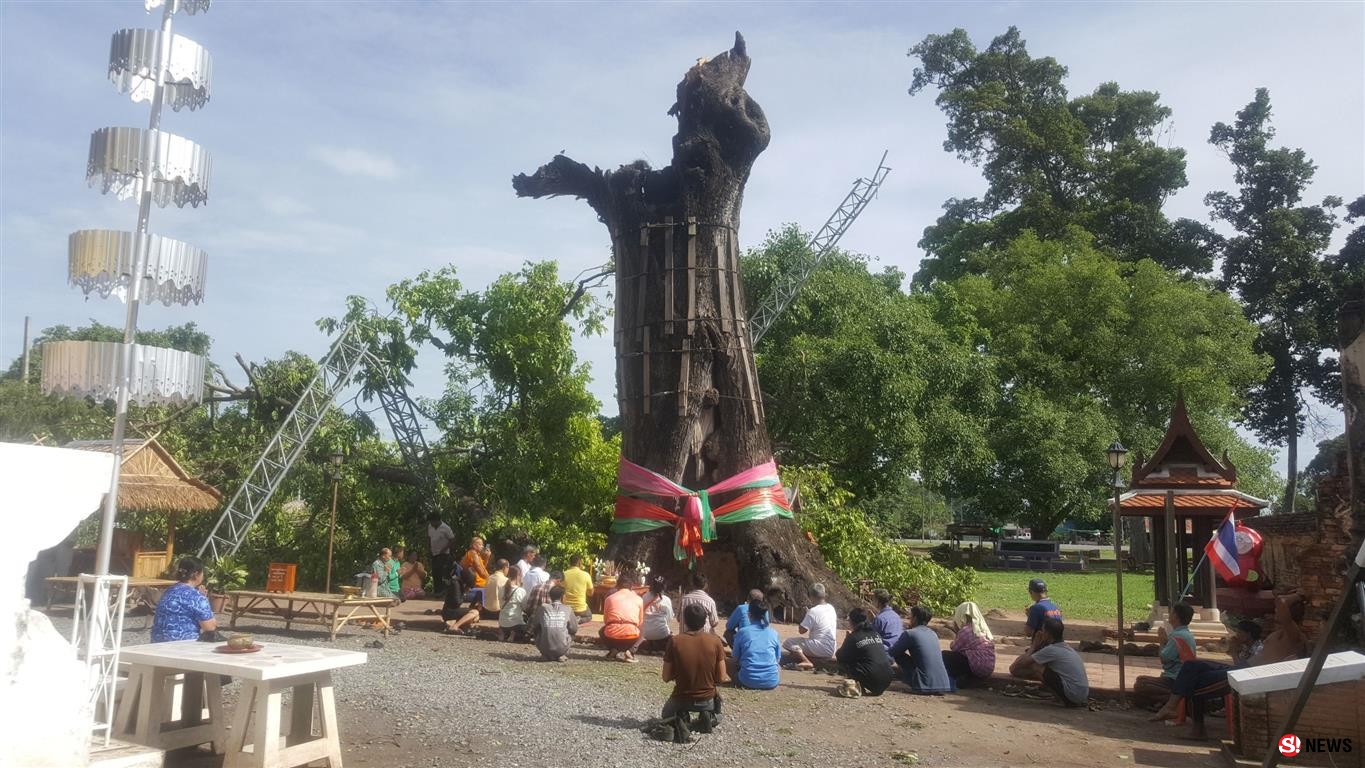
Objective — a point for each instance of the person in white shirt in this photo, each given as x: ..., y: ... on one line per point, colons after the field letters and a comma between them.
x: 528, y: 556
x: 656, y: 630
x: 819, y: 627
x: 441, y: 539
x: 697, y: 595
x: 536, y: 575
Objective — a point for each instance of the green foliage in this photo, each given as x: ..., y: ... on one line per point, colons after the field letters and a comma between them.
x: 557, y: 541
x: 225, y: 574
x: 1050, y: 161
x: 854, y: 549
x: 1275, y: 265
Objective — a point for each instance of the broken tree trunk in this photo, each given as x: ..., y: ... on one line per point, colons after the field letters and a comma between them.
x: 686, y: 383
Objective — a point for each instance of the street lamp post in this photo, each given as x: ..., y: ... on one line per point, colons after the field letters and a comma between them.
x: 337, y: 459
x: 1117, y: 455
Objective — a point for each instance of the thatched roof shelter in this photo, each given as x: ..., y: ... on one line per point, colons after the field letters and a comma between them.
x: 152, y: 481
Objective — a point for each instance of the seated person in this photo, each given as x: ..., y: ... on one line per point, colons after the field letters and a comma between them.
x: 412, y: 578
x: 695, y: 664
x: 577, y: 587
x: 757, y: 648
x: 697, y: 594
x: 475, y: 561
x: 1200, y: 681
x: 457, y: 619
x: 493, y: 589
x: 184, y: 612
x: 1057, y: 665
x: 739, y: 617
x: 554, y: 627
x: 395, y: 568
x: 919, y: 658
x: 512, y: 617
x: 863, y: 657
x: 657, y: 630
x: 971, y: 657
x: 379, y: 574
x: 622, y: 614
x: 1041, y: 610
x: 887, y: 622
x: 1177, y: 647
x: 819, y: 626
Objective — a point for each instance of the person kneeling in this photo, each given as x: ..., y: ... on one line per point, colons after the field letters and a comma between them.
x: 757, y: 648
x: 622, y: 614
x: 695, y: 664
x: 554, y: 627
x: 1057, y: 665
x: 863, y: 657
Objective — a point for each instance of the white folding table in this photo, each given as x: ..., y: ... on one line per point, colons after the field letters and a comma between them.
x: 257, y: 738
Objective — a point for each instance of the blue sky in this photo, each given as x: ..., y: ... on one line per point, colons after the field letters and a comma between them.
x: 356, y: 144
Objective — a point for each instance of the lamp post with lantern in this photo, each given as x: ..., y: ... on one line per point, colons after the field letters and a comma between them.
x: 337, y: 458
x: 1117, y: 456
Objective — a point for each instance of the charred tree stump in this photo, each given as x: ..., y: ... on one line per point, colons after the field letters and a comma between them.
x: 685, y: 377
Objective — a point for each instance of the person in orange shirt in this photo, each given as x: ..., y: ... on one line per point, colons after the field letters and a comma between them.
x: 475, y: 561
x: 622, y: 614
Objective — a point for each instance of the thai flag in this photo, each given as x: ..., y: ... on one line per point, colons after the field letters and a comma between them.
x: 1222, y: 548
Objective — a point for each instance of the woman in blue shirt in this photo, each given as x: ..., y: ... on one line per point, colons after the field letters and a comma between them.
x: 757, y: 649
x: 184, y: 611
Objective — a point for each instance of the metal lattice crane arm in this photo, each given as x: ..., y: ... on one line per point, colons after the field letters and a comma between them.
x: 788, y: 284
x: 335, y: 372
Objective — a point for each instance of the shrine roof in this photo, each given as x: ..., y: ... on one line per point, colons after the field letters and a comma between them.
x: 1182, y: 460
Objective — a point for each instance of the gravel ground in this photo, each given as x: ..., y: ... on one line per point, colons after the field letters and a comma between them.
x: 425, y: 699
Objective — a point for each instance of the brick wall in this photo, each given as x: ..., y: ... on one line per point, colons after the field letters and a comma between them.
x: 1310, y: 551
x: 1334, y: 711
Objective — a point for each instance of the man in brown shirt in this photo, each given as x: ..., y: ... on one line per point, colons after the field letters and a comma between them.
x: 695, y: 664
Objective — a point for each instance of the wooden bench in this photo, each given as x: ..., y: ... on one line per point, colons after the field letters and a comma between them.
x: 1034, y: 555
x: 331, y: 611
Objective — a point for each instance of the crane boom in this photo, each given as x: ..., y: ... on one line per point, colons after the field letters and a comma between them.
x: 787, y: 285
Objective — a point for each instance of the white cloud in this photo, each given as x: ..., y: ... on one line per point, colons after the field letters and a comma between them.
x: 357, y: 162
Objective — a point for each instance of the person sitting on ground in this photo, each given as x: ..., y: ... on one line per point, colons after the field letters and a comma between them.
x: 1201, y: 681
x: 1057, y: 665
x: 183, y: 612
x: 457, y: 618
x: 739, y: 617
x: 971, y: 657
x: 493, y: 589
x: 1177, y: 647
x: 577, y: 587
x: 536, y: 576
x: 757, y: 648
x: 863, y: 656
x: 888, y: 623
x: 379, y: 574
x: 475, y: 561
x: 511, y: 617
x: 1041, y: 610
x: 554, y: 626
x: 695, y: 664
x: 697, y: 595
x: 396, y: 565
x: 412, y: 578
x: 656, y: 630
x: 623, y: 613
x: 528, y: 557
x: 819, y: 628
x: 919, y: 658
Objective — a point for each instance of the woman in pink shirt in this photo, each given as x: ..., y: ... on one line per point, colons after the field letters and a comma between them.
x: 971, y: 657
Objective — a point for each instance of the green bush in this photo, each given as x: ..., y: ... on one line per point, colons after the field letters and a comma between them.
x: 854, y: 549
x: 558, y: 541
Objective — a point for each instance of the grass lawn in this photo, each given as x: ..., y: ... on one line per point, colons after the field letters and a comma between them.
x: 1087, y: 595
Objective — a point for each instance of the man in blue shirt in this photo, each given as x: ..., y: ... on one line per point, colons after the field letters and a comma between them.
x: 919, y: 657
x: 739, y: 617
x: 1041, y: 610
x: 887, y: 622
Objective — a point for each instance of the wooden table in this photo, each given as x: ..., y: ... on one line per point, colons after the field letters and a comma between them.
x: 258, y: 737
x: 139, y: 588
x: 331, y: 611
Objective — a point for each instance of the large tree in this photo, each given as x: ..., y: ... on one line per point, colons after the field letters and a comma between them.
x: 1274, y: 264
x: 1050, y: 161
x: 686, y: 383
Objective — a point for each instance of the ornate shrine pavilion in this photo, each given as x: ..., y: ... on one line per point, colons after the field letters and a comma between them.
x: 1184, y: 492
